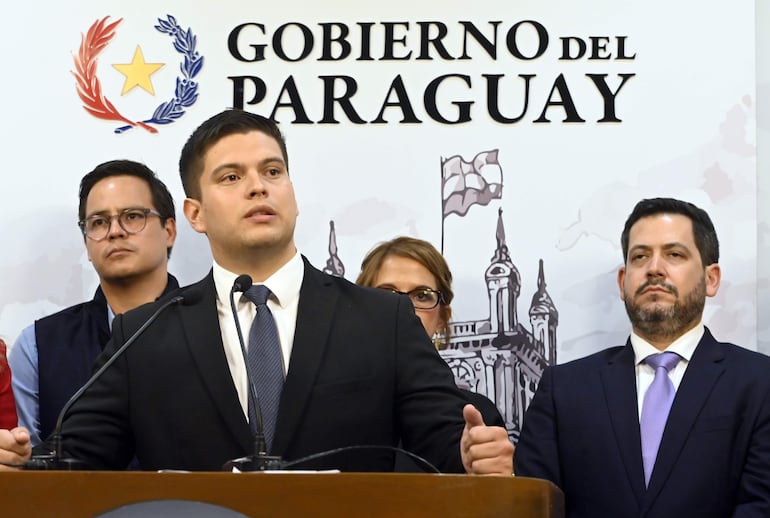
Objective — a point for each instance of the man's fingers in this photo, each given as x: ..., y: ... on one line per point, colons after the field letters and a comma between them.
x: 15, y: 439
x: 489, y: 451
x: 21, y: 435
x: 487, y: 434
x: 15, y: 447
x: 493, y: 466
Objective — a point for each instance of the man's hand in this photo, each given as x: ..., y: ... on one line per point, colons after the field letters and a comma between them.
x: 15, y: 448
x: 485, y: 450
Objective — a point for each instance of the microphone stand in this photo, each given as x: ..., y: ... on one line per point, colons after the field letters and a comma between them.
x: 259, y: 460
x: 54, y: 460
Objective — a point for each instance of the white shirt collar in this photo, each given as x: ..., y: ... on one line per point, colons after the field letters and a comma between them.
x: 684, y: 346
x: 284, y: 284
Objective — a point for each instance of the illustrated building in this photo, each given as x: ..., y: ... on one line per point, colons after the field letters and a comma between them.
x: 498, y: 356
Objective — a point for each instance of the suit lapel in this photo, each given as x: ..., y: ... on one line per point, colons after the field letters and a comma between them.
x: 699, y: 379
x: 204, y: 339
x: 619, y: 383
x: 315, y: 312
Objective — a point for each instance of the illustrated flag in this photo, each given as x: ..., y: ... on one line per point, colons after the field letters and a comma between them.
x: 464, y: 184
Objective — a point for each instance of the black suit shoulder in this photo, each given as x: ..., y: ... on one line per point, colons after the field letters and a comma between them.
x: 133, y: 318
x: 381, y: 310
x: 347, y: 288
x: 755, y: 359
x: 592, y: 361
x: 746, y: 368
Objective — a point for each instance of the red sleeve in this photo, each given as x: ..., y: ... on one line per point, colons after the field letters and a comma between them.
x: 8, y: 417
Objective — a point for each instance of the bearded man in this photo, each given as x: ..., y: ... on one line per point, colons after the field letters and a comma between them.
x: 674, y: 423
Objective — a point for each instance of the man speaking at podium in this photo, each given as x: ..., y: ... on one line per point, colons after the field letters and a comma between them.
x: 332, y: 364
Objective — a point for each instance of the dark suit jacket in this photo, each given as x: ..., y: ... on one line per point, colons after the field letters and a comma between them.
x: 68, y: 343
x: 362, y: 371
x: 581, y: 432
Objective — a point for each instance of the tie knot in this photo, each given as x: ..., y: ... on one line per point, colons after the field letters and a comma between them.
x: 667, y: 360
x: 258, y: 294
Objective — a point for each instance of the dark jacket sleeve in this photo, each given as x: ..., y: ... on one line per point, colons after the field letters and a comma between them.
x: 102, y: 413
x: 429, y: 404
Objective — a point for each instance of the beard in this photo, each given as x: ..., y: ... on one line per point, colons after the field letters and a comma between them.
x: 667, y: 323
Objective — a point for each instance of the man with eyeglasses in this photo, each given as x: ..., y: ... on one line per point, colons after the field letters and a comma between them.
x: 126, y: 215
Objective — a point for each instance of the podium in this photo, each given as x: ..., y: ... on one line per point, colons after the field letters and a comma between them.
x: 87, y: 494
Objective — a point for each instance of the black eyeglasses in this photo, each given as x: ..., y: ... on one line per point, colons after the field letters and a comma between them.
x: 133, y: 221
x: 422, y: 298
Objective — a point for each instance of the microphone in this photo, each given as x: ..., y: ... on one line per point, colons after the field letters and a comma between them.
x: 54, y: 460
x: 420, y: 462
x: 260, y: 460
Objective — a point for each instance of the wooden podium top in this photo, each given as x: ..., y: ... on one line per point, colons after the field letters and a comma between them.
x: 90, y: 493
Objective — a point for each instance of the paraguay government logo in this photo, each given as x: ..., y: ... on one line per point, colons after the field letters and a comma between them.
x: 136, y: 72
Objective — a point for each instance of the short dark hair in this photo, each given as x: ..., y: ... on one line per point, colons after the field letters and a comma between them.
x: 161, y: 198
x: 703, y: 229
x: 226, y: 123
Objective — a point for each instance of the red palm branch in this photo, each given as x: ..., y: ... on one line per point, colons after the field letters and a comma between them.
x: 89, y: 87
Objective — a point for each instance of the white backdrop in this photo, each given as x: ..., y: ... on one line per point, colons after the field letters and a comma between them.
x: 688, y: 130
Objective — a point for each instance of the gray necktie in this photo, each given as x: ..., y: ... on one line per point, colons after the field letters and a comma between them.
x: 655, y: 408
x: 265, y: 363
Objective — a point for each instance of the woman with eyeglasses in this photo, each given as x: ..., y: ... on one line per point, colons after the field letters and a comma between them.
x: 415, y: 268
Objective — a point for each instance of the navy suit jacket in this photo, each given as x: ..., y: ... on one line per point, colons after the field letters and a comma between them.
x: 581, y: 432
x: 362, y: 371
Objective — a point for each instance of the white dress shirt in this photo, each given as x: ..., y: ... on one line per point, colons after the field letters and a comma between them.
x: 284, y: 285
x: 684, y: 346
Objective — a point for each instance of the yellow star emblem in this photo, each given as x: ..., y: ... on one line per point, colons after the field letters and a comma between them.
x: 137, y: 72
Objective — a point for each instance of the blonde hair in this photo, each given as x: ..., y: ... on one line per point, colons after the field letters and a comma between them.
x: 424, y: 253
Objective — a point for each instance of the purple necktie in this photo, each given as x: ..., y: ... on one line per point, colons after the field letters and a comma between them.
x: 265, y: 363
x: 655, y: 408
